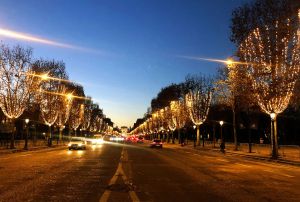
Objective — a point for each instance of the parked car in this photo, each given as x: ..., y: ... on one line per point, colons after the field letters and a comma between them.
x: 156, y: 143
x: 77, y: 145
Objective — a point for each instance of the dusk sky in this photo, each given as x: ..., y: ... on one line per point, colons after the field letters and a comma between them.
x: 124, y: 52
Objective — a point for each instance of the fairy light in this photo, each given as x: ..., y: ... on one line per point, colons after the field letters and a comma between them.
x: 50, y: 102
x: 274, y: 79
x: 276, y: 49
x: 77, y: 113
x: 198, y: 104
x: 87, y: 116
x: 15, y: 85
x: 169, y: 120
x: 65, y: 104
x: 178, y: 113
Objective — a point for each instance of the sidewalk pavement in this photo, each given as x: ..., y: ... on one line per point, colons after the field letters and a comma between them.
x: 290, y: 154
x: 41, y: 145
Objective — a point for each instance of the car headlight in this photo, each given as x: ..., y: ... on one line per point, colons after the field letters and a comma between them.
x: 79, y: 144
x: 69, y: 144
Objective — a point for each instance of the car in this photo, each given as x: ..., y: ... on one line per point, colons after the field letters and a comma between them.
x: 77, y: 145
x: 140, y: 140
x: 156, y: 143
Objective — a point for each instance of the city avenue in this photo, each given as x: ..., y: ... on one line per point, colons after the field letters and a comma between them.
x: 135, y: 172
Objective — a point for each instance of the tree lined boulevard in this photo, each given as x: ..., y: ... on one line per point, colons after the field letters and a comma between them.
x: 171, y: 174
x: 227, y: 134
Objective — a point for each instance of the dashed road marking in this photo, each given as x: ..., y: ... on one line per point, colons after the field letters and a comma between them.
x: 240, y: 164
x: 223, y: 160
x: 25, y: 155
x: 119, y: 172
x: 278, y: 173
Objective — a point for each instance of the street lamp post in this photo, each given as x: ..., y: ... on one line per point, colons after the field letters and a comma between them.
x: 27, y: 131
x: 195, y: 135
x: 274, y: 135
x: 50, y: 136
x: 222, y: 146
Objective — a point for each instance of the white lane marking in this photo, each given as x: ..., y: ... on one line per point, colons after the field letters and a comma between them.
x: 278, y: 173
x: 223, y: 160
x: 25, y: 155
x: 240, y: 164
x: 119, y: 172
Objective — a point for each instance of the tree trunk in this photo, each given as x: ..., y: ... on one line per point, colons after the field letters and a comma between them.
x: 26, y: 138
x: 60, y: 134
x: 179, y: 140
x: 50, y: 137
x: 234, y: 130
x: 250, y: 141
x: 203, y: 140
x: 12, y: 139
x: 214, y: 135
x: 198, y: 135
x: 274, y: 139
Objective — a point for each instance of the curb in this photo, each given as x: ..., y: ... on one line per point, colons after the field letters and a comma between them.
x: 255, y: 157
x: 13, y: 151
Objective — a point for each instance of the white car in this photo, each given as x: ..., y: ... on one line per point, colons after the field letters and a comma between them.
x: 77, y: 145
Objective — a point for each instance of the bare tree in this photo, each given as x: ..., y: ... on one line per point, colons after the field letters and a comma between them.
x: 88, y: 108
x: 272, y: 58
x: 198, y: 102
x: 65, y: 105
x: 17, y: 82
x: 179, y: 115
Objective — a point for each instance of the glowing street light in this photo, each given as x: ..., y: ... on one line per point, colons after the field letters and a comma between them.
x: 26, y: 121
x: 26, y: 137
x: 44, y: 76
x: 222, y: 146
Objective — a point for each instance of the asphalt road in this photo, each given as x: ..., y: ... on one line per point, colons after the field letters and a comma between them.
x: 113, y: 172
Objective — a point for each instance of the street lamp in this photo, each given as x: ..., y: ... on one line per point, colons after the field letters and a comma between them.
x: 27, y: 131
x: 273, y: 135
x: 194, y: 126
x: 221, y: 124
x: 222, y: 140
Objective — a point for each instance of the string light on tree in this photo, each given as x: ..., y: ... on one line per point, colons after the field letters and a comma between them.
x: 273, y: 65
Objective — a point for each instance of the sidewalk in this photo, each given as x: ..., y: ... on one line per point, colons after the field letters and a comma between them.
x: 40, y: 145
x: 289, y: 154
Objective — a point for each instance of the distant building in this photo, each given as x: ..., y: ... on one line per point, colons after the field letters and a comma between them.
x: 124, y: 130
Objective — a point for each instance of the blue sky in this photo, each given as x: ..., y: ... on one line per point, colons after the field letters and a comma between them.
x: 132, y: 46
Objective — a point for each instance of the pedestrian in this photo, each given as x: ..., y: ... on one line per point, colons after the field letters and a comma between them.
x: 222, y: 147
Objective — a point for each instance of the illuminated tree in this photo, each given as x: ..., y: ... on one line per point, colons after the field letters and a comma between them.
x: 49, y: 98
x: 77, y: 110
x: 198, y: 102
x: 65, y: 104
x: 77, y: 113
x: 88, y: 108
x: 17, y: 82
x: 51, y: 90
x: 179, y: 115
x: 272, y: 58
x: 228, y: 92
x: 170, y: 122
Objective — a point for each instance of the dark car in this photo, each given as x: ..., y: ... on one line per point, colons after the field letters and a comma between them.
x: 156, y: 144
x: 77, y: 146
x: 140, y: 140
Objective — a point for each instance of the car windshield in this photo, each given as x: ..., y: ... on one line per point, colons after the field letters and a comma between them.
x: 157, y: 141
